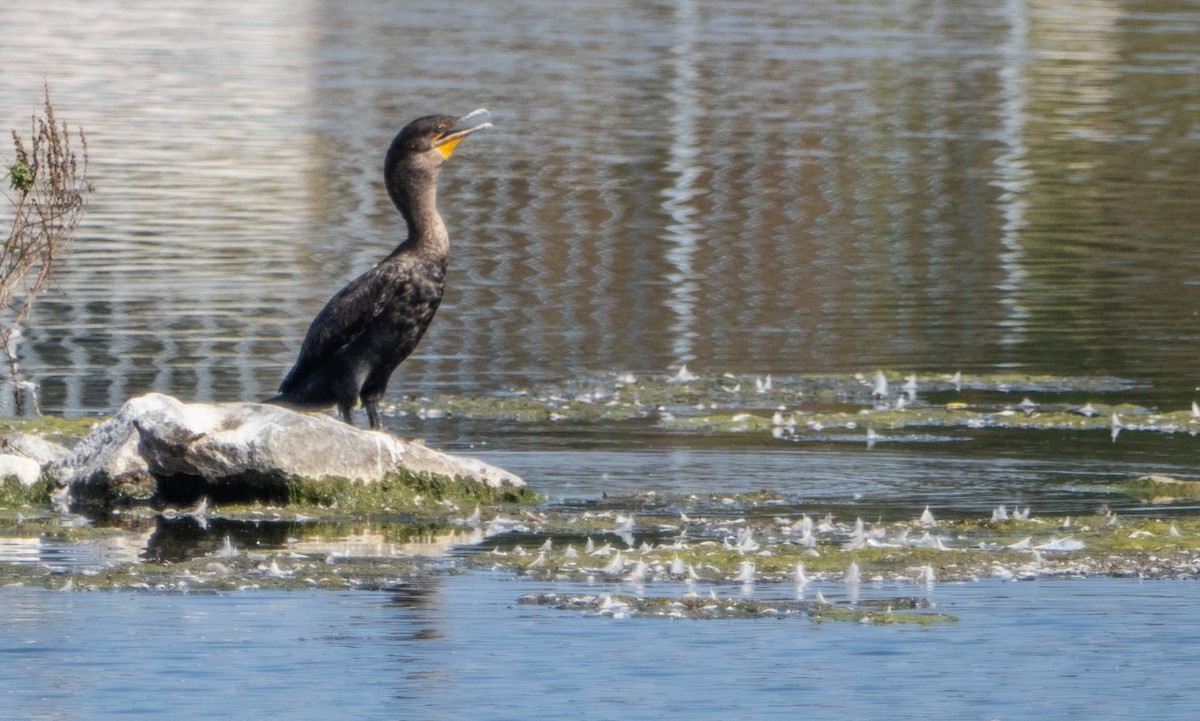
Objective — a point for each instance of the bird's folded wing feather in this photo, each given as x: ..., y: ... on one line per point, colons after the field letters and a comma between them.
x: 344, y: 317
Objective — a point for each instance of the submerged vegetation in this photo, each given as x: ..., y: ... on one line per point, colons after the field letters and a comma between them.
x: 789, y: 408
x: 689, y: 557
x: 655, y: 555
x: 1161, y: 489
x: 817, y: 405
x: 775, y: 542
x: 887, y: 612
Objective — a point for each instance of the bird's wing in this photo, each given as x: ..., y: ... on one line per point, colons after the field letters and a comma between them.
x: 344, y: 317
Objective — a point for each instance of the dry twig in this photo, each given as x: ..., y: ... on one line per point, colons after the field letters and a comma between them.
x: 49, y: 193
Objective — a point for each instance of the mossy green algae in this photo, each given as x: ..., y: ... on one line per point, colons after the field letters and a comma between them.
x: 900, y: 611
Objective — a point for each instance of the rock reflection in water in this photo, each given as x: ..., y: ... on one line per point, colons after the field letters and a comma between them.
x: 61, y: 554
x: 183, y: 539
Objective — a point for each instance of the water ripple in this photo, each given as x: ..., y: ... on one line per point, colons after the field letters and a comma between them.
x: 764, y: 187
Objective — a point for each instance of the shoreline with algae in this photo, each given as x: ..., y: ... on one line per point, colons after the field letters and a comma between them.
x: 666, y: 557
x: 672, y: 556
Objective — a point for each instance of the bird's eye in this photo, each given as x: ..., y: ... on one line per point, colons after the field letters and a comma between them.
x: 441, y: 127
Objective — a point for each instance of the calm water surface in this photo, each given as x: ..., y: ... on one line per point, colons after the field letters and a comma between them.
x: 755, y: 187
x: 1047, y: 649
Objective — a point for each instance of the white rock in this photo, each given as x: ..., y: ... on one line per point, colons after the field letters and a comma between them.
x: 28, y: 445
x: 25, y: 470
x: 156, y: 439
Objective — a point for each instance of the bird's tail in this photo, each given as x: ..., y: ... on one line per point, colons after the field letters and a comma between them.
x: 291, y: 403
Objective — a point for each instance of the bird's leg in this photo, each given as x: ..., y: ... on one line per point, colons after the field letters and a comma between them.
x: 372, y: 407
x: 345, y: 410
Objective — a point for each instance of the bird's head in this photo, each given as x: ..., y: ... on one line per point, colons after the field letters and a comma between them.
x: 430, y: 140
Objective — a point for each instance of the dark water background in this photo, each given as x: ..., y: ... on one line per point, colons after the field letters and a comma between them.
x: 749, y: 187
x: 753, y: 186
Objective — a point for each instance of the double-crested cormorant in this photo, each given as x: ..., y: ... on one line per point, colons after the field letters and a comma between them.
x: 376, y: 321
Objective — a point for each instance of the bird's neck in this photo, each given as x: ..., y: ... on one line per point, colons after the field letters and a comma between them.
x: 417, y: 202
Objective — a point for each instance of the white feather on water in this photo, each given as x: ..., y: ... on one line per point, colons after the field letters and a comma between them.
x: 638, y: 574
x: 745, y: 541
x: 746, y: 573
x: 616, y: 566
x: 808, y: 540
x: 926, y: 576
x: 226, y: 550
x: 1061, y: 544
x: 624, y: 529
x: 929, y: 541
x: 275, y: 571
x: 852, y: 574
x: 800, y: 577
x: 879, y: 388
x: 683, y: 375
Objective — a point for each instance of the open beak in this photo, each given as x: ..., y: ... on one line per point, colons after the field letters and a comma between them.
x: 464, y: 126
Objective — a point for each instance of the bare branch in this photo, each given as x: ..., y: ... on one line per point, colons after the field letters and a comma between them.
x: 50, y: 191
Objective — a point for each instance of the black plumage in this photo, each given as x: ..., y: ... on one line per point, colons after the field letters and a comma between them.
x: 369, y: 327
